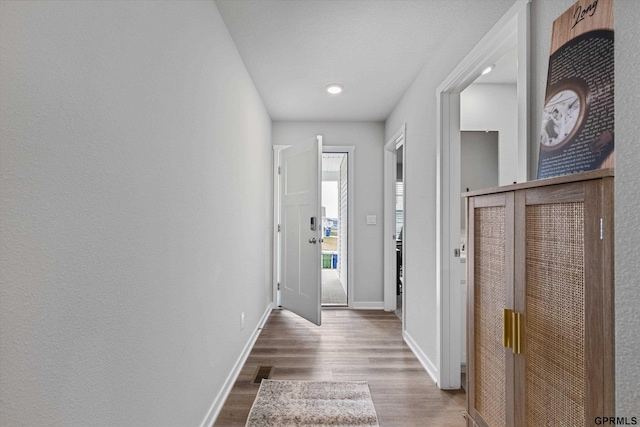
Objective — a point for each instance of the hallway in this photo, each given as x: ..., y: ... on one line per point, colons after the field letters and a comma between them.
x: 349, y: 346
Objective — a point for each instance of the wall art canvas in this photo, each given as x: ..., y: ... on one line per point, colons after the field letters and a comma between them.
x: 577, y: 132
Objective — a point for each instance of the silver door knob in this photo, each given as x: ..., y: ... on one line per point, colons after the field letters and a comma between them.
x: 312, y: 240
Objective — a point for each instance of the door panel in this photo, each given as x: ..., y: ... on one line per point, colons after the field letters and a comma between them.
x: 560, y: 291
x: 490, y: 273
x: 300, y: 248
x: 555, y: 380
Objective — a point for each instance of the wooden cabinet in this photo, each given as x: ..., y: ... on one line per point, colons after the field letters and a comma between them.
x: 540, y: 329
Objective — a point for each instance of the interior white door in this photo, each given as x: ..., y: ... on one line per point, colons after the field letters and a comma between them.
x: 301, y: 227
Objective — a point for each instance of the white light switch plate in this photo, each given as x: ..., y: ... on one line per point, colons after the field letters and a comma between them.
x: 371, y: 220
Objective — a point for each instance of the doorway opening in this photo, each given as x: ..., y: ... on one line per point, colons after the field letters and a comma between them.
x: 289, y: 272
x: 479, y: 168
x: 511, y: 31
x: 399, y: 218
x: 335, y: 214
x: 395, y: 225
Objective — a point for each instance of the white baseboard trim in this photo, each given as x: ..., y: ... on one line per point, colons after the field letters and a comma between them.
x: 218, y: 403
x: 368, y: 305
x: 424, y: 360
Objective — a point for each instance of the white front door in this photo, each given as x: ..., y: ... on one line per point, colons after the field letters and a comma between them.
x: 301, y: 228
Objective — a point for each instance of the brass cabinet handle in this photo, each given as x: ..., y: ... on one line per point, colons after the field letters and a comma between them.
x: 516, y: 328
x: 507, y: 316
x: 512, y: 330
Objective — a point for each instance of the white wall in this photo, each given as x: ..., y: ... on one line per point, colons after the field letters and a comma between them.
x: 136, y: 212
x: 417, y: 109
x: 627, y: 205
x: 368, y: 139
x: 494, y: 107
x: 479, y: 154
x: 627, y: 64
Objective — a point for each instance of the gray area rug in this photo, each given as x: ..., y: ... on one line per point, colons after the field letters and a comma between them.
x: 313, y: 403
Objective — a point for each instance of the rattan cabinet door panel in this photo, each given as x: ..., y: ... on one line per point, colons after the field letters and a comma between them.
x: 555, y: 384
x: 490, y: 291
x: 559, y: 286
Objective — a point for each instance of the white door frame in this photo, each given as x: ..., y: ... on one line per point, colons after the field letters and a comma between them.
x: 349, y: 150
x: 389, y: 241
x: 511, y: 30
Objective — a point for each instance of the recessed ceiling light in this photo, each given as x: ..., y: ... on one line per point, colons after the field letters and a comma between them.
x: 488, y: 69
x: 334, y: 88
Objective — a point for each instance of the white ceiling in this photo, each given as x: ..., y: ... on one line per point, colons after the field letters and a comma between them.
x: 375, y: 48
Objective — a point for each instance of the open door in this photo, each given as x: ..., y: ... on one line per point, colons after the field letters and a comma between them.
x: 301, y: 227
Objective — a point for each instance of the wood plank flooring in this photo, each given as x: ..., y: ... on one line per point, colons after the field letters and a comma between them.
x: 351, y: 345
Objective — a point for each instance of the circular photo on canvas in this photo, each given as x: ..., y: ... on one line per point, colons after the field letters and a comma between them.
x: 564, y: 113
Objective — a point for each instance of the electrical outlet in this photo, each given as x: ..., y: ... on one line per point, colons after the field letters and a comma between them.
x: 242, y: 321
